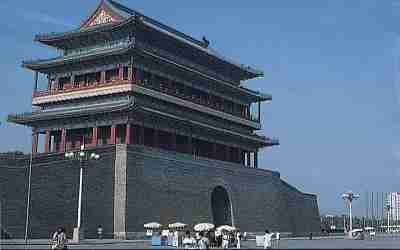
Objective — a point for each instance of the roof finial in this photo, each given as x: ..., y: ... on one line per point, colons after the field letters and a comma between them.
x: 206, y: 42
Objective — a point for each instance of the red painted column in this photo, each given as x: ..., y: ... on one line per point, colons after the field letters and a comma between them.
x: 227, y: 153
x: 95, y: 136
x: 256, y: 159
x: 47, y: 142
x: 215, y: 156
x: 141, y: 138
x: 63, y: 137
x: 155, y: 141
x: 248, y: 153
x: 34, y: 141
x: 120, y: 72
x: 190, y: 144
x: 128, y: 137
x: 102, y: 77
x: 131, y: 76
x: 173, y: 141
x: 113, y: 134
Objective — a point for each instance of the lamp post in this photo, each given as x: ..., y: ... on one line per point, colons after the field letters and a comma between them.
x: 81, y: 156
x: 388, y: 208
x: 28, y: 199
x: 349, y: 197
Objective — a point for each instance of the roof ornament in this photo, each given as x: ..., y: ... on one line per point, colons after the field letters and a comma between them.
x: 102, y: 18
x: 206, y: 42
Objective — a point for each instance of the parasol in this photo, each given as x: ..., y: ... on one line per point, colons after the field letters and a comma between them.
x: 226, y: 228
x: 177, y: 225
x: 203, y: 227
x: 152, y: 225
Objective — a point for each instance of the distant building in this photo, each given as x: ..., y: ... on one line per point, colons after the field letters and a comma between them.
x: 393, y: 203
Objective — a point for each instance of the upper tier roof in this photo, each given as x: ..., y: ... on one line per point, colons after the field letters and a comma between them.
x: 110, y: 15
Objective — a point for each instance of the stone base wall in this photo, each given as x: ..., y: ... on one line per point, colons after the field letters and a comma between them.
x: 167, y: 187
x: 131, y: 185
x: 13, y: 187
x: 54, y: 195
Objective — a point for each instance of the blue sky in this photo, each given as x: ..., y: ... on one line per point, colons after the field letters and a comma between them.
x: 330, y: 66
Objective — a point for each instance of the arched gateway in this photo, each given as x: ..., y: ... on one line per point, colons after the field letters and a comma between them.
x: 221, y: 207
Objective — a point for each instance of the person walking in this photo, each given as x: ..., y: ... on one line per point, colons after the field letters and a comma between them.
x: 198, y: 237
x: 225, y: 240
x: 238, y: 239
x: 278, y: 238
x: 211, y: 238
x: 100, y: 232
x: 164, y: 237
x: 218, y: 238
x: 268, y: 239
x: 59, y: 240
x: 204, y: 243
x: 175, y: 239
x: 187, y: 241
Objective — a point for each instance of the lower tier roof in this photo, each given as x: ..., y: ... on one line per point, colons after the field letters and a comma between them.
x: 33, y: 118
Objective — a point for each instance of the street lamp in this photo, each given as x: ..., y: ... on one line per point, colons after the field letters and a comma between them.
x: 81, y: 156
x: 388, y: 208
x: 350, y: 196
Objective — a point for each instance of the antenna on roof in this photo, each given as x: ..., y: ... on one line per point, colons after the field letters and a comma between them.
x: 206, y: 42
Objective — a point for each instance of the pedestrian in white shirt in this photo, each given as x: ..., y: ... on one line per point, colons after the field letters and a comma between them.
x: 268, y: 240
x: 187, y: 242
x: 278, y: 237
x: 238, y: 239
x: 225, y: 240
x: 175, y: 239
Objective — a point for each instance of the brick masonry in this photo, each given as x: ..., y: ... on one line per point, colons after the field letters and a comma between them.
x: 132, y: 185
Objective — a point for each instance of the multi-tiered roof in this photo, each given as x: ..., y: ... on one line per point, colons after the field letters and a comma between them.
x: 142, y: 49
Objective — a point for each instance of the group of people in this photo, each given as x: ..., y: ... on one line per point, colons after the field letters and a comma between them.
x: 211, y: 239
x: 198, y: 240
x: 169, y: 238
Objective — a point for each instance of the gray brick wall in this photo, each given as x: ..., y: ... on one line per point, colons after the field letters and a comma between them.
x: 173, y: 187
x: 13, y: 186
x: 160, y: 186
x: 55, y: 183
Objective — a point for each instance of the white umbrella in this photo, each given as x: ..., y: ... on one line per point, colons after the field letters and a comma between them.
x: 177, y: 225
x: 226, y: 228
x: 203, y: 227
x: 152, y: 225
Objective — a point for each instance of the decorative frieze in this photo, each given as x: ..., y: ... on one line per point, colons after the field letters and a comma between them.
x: 92, y: 91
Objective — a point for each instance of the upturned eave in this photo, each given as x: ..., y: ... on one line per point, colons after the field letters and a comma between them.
x: 43, y: 64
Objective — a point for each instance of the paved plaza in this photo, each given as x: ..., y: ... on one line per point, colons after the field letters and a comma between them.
x: 388, y: 242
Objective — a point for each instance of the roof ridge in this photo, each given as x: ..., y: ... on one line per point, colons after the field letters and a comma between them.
x: 121, y: 7
x: 169, y: 28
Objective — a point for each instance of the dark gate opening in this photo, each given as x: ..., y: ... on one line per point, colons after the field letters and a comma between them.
x: 221, y: 207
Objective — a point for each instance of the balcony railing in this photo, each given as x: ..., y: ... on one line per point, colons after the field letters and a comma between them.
x: 71, y: 88
x: 193, y: 98
x: 67, y: 88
